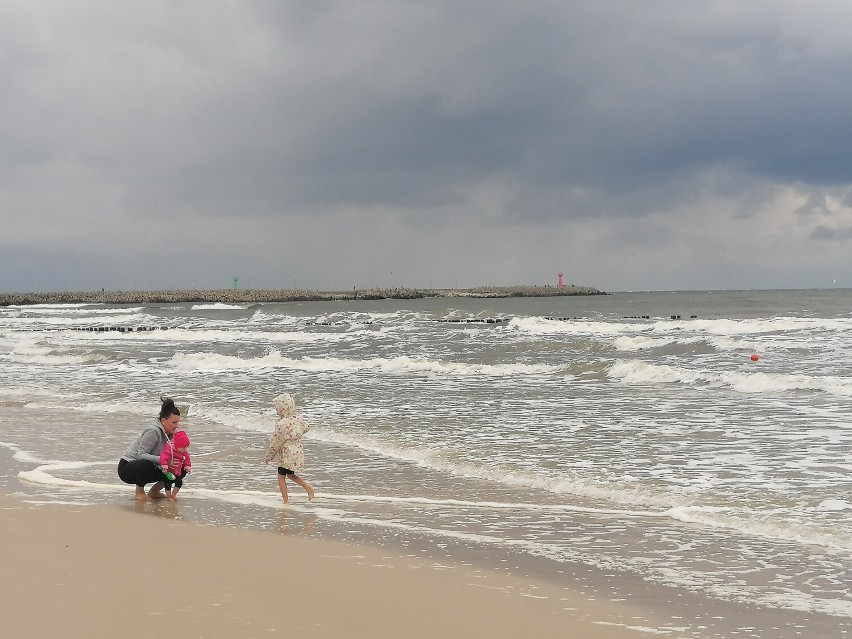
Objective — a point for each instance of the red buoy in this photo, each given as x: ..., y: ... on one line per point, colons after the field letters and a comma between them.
x: 754, y: 357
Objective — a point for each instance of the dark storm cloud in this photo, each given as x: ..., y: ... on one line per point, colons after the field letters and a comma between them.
x: 556, y: 98
x: 839, y: 235
x: 394, y: 103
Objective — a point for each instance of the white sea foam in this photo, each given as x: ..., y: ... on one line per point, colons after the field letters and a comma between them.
x: 216, y: 307
x: 50, y: 359
x: 646, y: 629
x: 78, y: 310
x: 835, y: 504
x: 629, y: 343
x: 25, y: 394
x: 738, y: 329
x: 68, y: 321
x: 237, y: 418
x: 433, y: 460
x: 201, y: 335
x: 42, y: 475
x: 766, y: 526
x: 770, y: 325
x: 639, y: 372
x: 69, y: 306
x: 73, y: 403
x: 21, y: 455
x: 544, y: 326
x: 714, y: 517
x: 402, y: 364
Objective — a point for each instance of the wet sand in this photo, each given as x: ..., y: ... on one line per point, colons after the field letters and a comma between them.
x: 123, y: 571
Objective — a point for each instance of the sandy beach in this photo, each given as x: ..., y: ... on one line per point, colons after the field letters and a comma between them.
x: 131, y: 570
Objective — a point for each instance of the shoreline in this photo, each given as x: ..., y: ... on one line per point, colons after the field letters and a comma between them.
x: 78, y: 567
x: 283, y: 295
x: 467, y: 593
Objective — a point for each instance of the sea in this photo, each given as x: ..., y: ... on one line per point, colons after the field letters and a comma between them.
x: 687, y: 452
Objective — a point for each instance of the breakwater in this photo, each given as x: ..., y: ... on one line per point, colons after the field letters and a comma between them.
x: 247, y: 296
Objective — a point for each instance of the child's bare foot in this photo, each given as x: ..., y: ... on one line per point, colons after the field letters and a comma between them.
x: 310, y: 490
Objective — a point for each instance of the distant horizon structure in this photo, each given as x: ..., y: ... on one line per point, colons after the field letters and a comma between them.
x: 236, y: 279
x: 560, y: 285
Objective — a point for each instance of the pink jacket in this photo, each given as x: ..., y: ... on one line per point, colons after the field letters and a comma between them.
x: 175, y: 460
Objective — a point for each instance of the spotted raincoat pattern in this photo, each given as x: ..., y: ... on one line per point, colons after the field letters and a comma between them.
x: 285, y: 445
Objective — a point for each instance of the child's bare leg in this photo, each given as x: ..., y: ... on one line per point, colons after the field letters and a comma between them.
x: 308, y: 488
x: 173, y: 495
x: 282, y: 486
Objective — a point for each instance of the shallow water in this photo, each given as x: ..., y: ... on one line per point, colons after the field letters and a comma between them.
x: 560, y: 435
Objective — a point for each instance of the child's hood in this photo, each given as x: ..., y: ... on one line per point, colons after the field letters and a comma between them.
x: 285, y: 404
x: 180, y: 439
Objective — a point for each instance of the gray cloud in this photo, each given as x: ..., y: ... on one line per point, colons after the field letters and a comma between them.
x: 824, y: 233
x: 488, y: 124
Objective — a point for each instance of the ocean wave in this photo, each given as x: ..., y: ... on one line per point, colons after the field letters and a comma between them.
x: 400, y: 365
x: 770, y: 325
x: 216, y: 307
x: 68, y: 307
x: 22, y: 455
x: 42, y: 475
x: 674, y: 344
x: 49, y: 359
x: 660, y: 328
x: 265, y: 317
x: 545, y: 326
x: 639, y: 372
x: 68, y: 321
x: 436, y: 460
x: 764, y: 525
x: 201, y: 336
x: 28, y: 349
x: 74, y: 403
x: 753, y: 524
x: 28, y: 312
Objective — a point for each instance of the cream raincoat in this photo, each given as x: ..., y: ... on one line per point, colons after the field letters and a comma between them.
x: 285, y: 445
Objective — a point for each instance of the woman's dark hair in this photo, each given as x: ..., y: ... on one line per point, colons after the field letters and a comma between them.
x: 168, y: 408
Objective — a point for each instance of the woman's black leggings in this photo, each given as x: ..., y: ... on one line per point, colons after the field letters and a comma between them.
x: 139, y: 472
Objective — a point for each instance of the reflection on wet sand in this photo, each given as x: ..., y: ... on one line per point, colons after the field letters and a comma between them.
x: 296, y: 524
x: 164, y: 508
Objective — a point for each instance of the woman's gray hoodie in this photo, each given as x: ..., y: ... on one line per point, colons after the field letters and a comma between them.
x: 148, y: 445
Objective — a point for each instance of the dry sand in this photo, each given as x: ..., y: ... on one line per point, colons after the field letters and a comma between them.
x: 122, y: 571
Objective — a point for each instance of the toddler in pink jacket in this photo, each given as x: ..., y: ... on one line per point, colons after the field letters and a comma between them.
x: 175, y: 460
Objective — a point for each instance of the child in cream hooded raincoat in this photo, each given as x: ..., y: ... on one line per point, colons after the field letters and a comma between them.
x: 285, y: 445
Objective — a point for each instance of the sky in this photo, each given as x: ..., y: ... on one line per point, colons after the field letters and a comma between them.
x: 331, y: 145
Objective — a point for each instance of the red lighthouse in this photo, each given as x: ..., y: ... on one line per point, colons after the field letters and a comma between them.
x: 560, y: 280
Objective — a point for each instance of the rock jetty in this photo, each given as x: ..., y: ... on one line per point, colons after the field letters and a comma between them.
x: 248, y: 296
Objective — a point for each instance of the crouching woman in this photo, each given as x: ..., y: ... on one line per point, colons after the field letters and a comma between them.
x: 140, y: 464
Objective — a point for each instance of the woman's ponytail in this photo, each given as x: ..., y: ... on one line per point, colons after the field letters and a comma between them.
x: 168, y: 408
